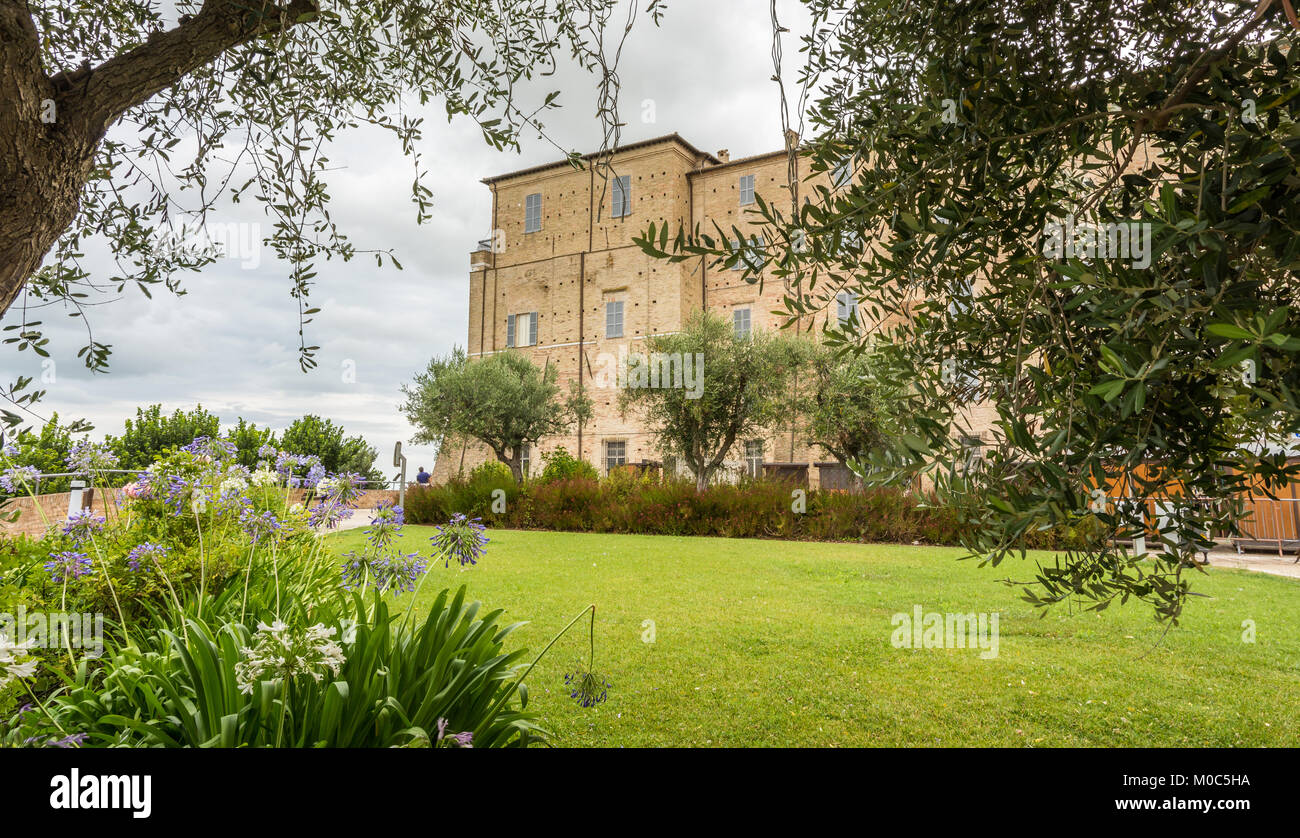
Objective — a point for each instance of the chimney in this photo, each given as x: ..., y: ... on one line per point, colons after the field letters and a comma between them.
x: 724, y: 155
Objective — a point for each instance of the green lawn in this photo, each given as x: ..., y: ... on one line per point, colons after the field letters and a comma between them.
x: 788, y: 643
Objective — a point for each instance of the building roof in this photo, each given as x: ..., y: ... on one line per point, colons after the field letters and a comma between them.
x: 673, y: 138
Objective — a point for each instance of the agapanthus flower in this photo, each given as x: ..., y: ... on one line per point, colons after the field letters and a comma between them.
x: 265, y: 477
x: 144, y: 553
x: 68, y: 565
x: 464, y: 739
x: 344, y: 487
x: 462, y: 539
x: 210, y: 449
x: 10, y: 449
x: 259, y: 525
x: 279, y: 652
x: 176, y: 493
x: 268, y: 452
x: 14, y: 660
x: 72, y: 740
x: 586, y: 688
x: 328, y: 514
x: 386, y: 524
x: 394, y: 574
x: 315, y: 474
x: 82, y: 524
x: 86, y: 457
x: 232, y: 485
x: 19, y: 478
x: 289, y: 465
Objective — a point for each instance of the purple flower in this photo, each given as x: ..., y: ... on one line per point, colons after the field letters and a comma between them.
x: 464, y: 739
x: 148, y: 551
x: 462, y: 539
x: 16, y: 478
x: 87, y: 457
x: 212, y: 449
x: 10, y: 450
x: 82, y: 524
x: 396, y: 574
x: 68, y: 565
x: 258, y: 526
x: 328, y: 514
x: 386, y: 525
x: 586, y: 688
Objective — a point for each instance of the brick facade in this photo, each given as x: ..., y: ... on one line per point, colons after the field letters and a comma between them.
x: 582, y: 257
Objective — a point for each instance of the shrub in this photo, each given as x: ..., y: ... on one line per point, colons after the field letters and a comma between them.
x: 561, y: 465
x: 207, y: 575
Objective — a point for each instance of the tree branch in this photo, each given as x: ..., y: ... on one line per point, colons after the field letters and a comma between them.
x: 104, y: 93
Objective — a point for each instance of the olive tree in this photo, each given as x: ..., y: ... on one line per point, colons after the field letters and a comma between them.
x: 1082, y: 216
x: 123, y: 119
x: 504, y: 401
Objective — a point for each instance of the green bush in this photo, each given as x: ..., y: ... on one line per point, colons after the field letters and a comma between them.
x: 561, y: 465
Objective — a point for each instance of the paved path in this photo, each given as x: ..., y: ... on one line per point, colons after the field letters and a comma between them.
x: 359, y: 518
x: 1261, y: 562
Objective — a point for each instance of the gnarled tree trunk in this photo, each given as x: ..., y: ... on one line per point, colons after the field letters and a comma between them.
x: 52, y: 124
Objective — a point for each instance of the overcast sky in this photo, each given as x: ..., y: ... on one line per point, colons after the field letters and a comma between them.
x: 230, y: 343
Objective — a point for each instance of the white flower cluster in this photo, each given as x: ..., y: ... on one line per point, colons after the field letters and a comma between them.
x: 14, y: 661
x: 281, y: 652
x: 265, y: 477
x: 232, y: 486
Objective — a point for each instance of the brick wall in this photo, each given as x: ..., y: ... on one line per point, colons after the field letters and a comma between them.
x: 582, y: 258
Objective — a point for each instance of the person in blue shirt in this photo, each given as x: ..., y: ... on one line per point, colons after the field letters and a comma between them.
x: 423, y: 477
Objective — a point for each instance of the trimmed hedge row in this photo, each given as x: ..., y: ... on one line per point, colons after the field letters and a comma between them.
x: 760, y: 509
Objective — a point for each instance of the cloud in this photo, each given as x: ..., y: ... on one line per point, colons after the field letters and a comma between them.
x: 230, y: 343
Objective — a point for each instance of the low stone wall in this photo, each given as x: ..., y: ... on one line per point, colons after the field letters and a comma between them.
x: 34, y: 515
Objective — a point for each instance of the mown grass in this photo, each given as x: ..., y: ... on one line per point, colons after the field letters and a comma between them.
x: 788, y: 644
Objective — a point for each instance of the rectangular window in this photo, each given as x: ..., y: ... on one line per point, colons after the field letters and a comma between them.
x: 521, y: 329
x: 525, y: 457
x: 750, y: 256
x: 533, y: 213
x: 846, y: 306
x: 614, y: 319
x: 741, y: 317
x: 754, y: 457
x: 621, y: 195
x: 615, y: 455
x: 973, y: 450
x: 746, y: 190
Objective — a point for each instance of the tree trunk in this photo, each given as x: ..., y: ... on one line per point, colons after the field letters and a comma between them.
x: 53, y: 124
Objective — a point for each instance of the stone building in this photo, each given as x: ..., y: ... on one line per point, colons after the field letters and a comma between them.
x: 562, y: 281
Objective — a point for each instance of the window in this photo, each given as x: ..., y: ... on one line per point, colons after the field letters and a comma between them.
x: 621, y: 193
x: 741, y: 317
x: 521, y: 329
x: 525, y: 457
x: 533, y: 213
x: 754, y: 457
x: 972, y: 448
x: 614, y: 319
x: 746, y: 190
x: 615, y: 455
x: 750, y: 256
x: 846, y: 306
